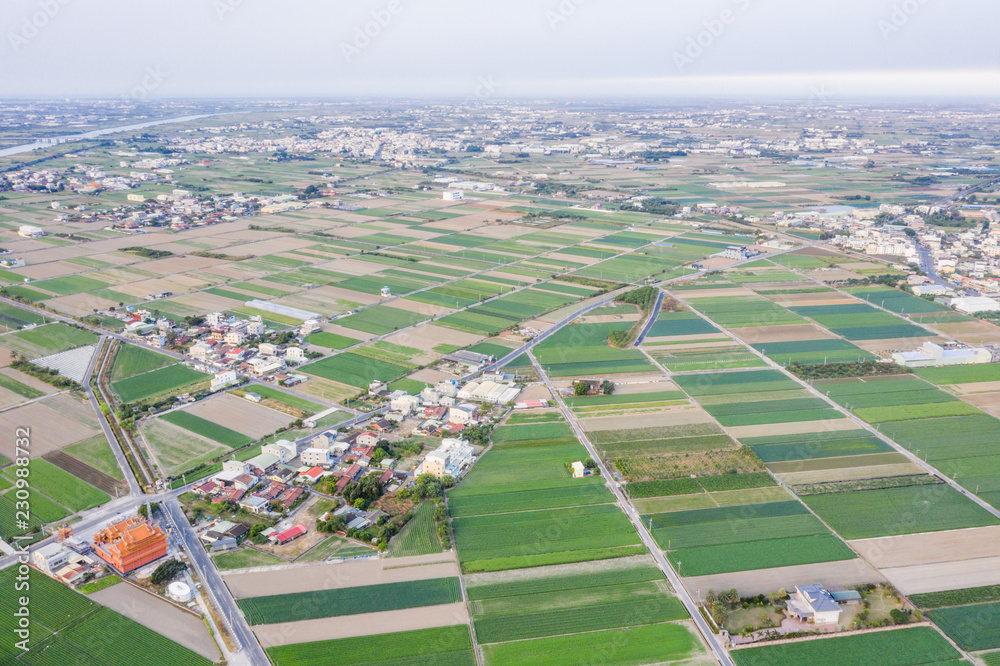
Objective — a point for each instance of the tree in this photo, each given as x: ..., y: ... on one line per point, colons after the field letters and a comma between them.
x: 607, y: 387
x: 154, y: 506
x: 167, y: 571
x: 581, y: 388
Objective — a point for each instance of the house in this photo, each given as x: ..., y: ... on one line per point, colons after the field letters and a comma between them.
x: 814, y: 604
x: 290, y: 496
x: 297, y: 354
x: 405, y: 404
x: 238, y: 466
x: 463, y: 414
x: 254, y: 504
x: 234, y: 337
x: 311, y: 475
x: 255, y: 327
x: 252, y: 397
x: 283, y: 450
x: 367, y: 438
x: 316, y: 457
x: 452, y: 458
x: 579, y: 470
x: 288, y: 535
x: 282, y: 475
x: 309, y: 327
x: 205, y: 489
x: 224, y: 379
x: 50, y: 558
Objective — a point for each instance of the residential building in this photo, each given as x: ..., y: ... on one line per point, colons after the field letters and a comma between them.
x: 814, y: 604
x: 223, y: 380
x: 452, y: 458
x: 50, y: 558
x: 316, y: 457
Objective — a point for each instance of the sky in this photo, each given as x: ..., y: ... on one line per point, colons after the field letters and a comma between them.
x: 496, y: 49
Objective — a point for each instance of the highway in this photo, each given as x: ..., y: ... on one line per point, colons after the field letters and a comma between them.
x: 707, y: 634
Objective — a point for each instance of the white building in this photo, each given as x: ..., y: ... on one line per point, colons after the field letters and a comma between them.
x: 224, y: 379
x: 452, y: 458
x: 309, y: 327
x: 28, y: 231
x: 932, y: 355
x: 814, y: 604
x: 234, y: 338
x: 454, y: 195
x: 50, y: 558
x: 405, y: 404
x: 463, y: 414
x: 316, y: 457
x: 283, y: 450
x: 975, y: 305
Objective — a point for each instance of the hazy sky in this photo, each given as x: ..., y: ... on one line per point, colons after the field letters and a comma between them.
x: 825, y: 49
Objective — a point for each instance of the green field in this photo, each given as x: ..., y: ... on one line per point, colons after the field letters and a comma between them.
x: 970, y: 595
x: 49, y: 339
x: 382, y: 319
x: 354, y: 369
x: 207, y: 428
x: 655, y: 643
x: 64, y: 488
x: 419, y: 536
x: 443, y: 646
x: 908, y: 510
x: 17, y: 387
x: 902, y: 647
x: 350, y: 601
x: 974, y: 628
x: 132, y: 360
x: 331, y: 340
x: 244, y: 558
x: 962, y: 374
x: 171, y: 379
x: 278, y: 395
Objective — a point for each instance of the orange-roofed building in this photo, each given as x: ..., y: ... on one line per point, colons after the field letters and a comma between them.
x: 130, y: 544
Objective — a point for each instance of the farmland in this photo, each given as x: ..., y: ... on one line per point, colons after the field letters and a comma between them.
x: 132, y: 360
x: 355, y: 370
x: 419, y: 536
x: 902, y: 647
x: 64, y: 488
x: 445, y: 646
x: 206, y: 428
x: 49, y: 339
x: 350, y: 601
x: 155, y: 383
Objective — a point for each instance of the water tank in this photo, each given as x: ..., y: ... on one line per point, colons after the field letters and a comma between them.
x: 179, y: 591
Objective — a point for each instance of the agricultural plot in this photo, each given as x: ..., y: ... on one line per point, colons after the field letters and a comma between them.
x: 207, y: 428
x: 419, y: 536
x: 132, y: 360
x: 683, y: 360
x: 897, y: 301
x: 754, y: 381
x: 744, y: 413
x: 581, y: 350
x: 445, y: 646
x: 331, y: 340
x: 861, y: 322
x: 743, y: 311
x: 355, y: 369
x: 350, y: 601
x: 584, y: 603
x: 382, y: 319
x: 901, y: 647
x: 156, y: 383
x: 962, y: 374
x: 49, y: 339
x: 64, y: 488
x: 656, y: 643
x: 973, y: 627
x: 742, y: 538
x: 673, y: 324
x: 813, y: 351
x: 817, y: 445
x: 906, y: 510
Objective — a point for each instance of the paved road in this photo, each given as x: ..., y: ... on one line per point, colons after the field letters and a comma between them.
x: 654, y: 314
x: 647, y: 539
x: 232, y: 617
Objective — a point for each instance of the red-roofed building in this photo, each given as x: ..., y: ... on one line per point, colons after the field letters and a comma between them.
x: 386, y: 477
x: 206, y: 488
x: 290, y: 496
x: 290, y: 534
x: 453, y: 428
x: 312, y: 474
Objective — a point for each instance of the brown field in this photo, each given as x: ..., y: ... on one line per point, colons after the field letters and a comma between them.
x: 305, y: 578
x: 972, y: 332
x: 366, y: 624
x: 849, y: 474
x: 203, y: 302
x: 930, y: 548
x: 161, y: 616
x: 80, y: 304
x: 763, y: 334
x: 792, y: 428
x: 834, y: 575
x: 712, y: 500
x: 338, y: 294
x: 175, y: 449
x: 988, y: 402
x: 419, y: 308
x: 535, y: 392
x: 51, y: 428
x: 428, y: 336
x: 47, y: 389
x: 801, y: 300
x: 48, y: 270
x: 842, y: 462
x: 669, y: 416
x: 894, y: 344
x: 972, y: 389
x: 942, y: 576
x: 241, y: 415
x: 610, y: 319
x: 628, y: 388
x: 325, y: 389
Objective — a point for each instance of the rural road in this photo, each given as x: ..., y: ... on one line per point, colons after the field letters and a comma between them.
x: 647, y: 539
x: 231, y: 614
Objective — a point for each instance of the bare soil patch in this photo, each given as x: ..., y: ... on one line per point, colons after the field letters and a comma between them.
x: 161, y: 616
x: 695, y: 296
x: 850, y: 474
x: 310, y: 577
x: 945, y: 575
x: 51, y: 429
x: 670, y: 416
x: 82, y: 470
x: 792, y: 428
x: 930, y: 548
x: 241, y: 415
x: 764, y: 334
x: 898, y: 344
x: 429, y: 336
x: 834, y: 575
x: 366, y: 624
